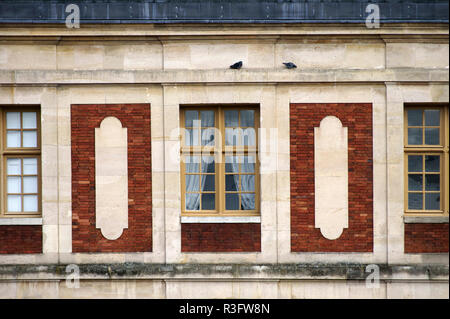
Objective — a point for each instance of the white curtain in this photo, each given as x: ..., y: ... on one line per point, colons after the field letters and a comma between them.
x: 192, y: 183
x: 247, y: 185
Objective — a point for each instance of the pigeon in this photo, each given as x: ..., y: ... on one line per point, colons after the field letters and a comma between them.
x: 236, y: 66
x: 290, y: 65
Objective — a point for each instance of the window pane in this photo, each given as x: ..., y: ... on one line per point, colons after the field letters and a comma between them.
x: 231, y: 136
x: 192, y: 137
x: 415, y: 182
x: 29, y: 120
x: 415, y: 118
x: 231, y: 164
x: 432, y: 136
x: 14, y: 203
x: 432, y: 117
x: 30, y: 166
x: 13, y: 120
x: 415, y: 163
x: 231, y: 118
x: 432, y: 182
x: 192, y: 164
x: 30, y: 203
x: 13, y: 139
x: 208, y: 183
x: 248, y: 201
x: 192, y: 183
x: 14, y: 185
x: 232, y: 201
x: 415, y: 136
x: 432, y: 201
x: 432, y: 163
x: 29, y: 139
x: 190, y: 117
x: 248, y: 166
x: 192, y: 201
x: 248, y: 183
x: 248, y: 137
x: 415, y: 201
x: 208, y: 164
x: 247, y: 118
x: 207, y: 118
x: 231, y: 183
x: 208, y: 137
x: 13, y: 166
x: 208, y: 202
x: 30, y: 184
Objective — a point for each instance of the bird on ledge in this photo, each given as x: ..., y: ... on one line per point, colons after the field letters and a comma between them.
x: 290, y: 65
x: 236, y: 66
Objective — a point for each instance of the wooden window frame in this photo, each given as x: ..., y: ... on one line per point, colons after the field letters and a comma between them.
x: 423, y: 150
x: 219, y: 151
x: 19, y: 152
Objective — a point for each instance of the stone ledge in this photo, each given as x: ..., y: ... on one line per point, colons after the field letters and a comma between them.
x: 220, y: 220
x: 20, y: 221
x: 425, y: 219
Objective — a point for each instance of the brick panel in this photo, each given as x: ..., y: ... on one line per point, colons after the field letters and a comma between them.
x: 85, y: 236
x: 426, y: 238
x: 358, y: 237
x: 17, y: 239
x: 221, y: 237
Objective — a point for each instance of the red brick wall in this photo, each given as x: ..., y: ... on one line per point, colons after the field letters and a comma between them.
x: 16, y: 239
x: 85, y: 236
x: 221, y: 237
x: 358, y: 237
x: 426, y: 238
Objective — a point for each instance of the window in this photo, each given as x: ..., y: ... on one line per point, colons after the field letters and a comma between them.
x: 426, y: 160
x: 219, y: 166
x: 20, y: 162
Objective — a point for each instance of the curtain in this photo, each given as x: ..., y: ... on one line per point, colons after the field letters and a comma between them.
x: 192, y: 183
x: 247, y: 185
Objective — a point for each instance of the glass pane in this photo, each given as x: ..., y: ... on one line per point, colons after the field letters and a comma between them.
x: 13, y: 120
x: 29, y: 120
x: 14, y: 203
x: 248, y: 201
x: 13, y: 166
x: 30, y: 203
x: 231, y: 164
x: 14, y: 185
x: 30, y: 184
x: 208, y: 137
x: 415, y: 201
x: 247, y: 118
x: 232, y: 201
x: 431, y: 136
x: 192, y: 201
x: 231, y: 118
x: 415, y: 118
x: 192, y: 137
x: 192, y: 183
x: 13, y: 139
x: 248, y: 137
x: 432, y: 182
x: 190, y: 117
x: 208, y: 202
x: 231, y: 183
x: 29, y: 139
x: 30, y: 166
x: 208, y: 183
x: 415, y: 136
x: 248, y: 166
x: 432, y: 163
x: 248, y: 183
x: 231, y: 136
x: 208, y: 164
x: 432, y: 201
x: 207, y: 118
x: 432, y: 117
x: 192, y: 164
x: 415, y: 182
x: 415, y: 163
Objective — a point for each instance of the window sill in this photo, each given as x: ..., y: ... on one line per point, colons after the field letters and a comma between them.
x: 220, y: 219
x: 20, y: 221
x: 425, y: 219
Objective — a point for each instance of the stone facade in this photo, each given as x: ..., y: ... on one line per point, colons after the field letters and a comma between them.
x: 363, y: 76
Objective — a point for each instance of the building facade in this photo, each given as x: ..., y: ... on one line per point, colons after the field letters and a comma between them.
x: 132, y: 155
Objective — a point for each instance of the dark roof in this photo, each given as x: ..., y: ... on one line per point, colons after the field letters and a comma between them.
x: 224, y: 11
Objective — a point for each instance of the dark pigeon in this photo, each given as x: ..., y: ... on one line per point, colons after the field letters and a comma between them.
x: 290, y: 65
x: 236, y: 66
